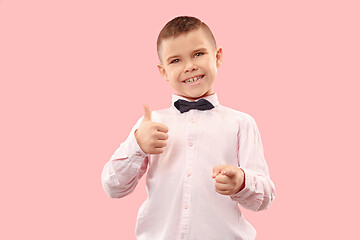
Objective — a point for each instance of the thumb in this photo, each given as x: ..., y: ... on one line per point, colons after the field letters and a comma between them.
x: 217, y: 170
x: 147, y: 113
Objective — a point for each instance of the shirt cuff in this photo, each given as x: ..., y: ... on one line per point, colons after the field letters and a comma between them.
x: 246, y: 191
x: 136, y: 146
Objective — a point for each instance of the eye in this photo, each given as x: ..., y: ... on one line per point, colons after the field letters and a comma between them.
x: 174, y: 61
x: 199, y: 54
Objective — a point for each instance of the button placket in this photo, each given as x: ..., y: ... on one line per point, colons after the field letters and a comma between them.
x: 188, y: 166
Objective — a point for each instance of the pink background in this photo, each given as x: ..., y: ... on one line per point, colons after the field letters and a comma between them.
x: 74, y: 75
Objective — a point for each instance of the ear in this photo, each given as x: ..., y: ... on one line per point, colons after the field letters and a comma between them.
x: 219, y: 56
x: 162, y: 71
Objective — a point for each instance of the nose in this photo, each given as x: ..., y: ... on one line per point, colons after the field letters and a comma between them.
x: 190, y: 66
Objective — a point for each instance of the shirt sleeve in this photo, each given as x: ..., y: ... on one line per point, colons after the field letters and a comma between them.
x: 125, y: 167
x: 259, y: 190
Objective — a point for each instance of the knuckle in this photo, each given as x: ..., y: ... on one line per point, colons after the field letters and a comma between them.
x: 152, y: 143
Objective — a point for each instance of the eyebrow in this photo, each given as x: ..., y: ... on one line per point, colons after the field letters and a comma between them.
x: 196, y: 50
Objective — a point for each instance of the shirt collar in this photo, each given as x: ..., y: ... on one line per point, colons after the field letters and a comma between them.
x: 211, y: 98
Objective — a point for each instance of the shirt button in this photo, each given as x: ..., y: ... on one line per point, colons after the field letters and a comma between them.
x: 191, y: 120
x: 188, y: 174
x: 186, y: 206
x: 190, y: 143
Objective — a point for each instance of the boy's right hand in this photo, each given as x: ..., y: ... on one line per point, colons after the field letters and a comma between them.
x: 150, y: 135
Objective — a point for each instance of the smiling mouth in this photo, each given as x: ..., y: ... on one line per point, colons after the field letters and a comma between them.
x: 194, y: 79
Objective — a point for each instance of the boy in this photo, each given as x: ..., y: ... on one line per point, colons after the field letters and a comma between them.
x: 203, y: 159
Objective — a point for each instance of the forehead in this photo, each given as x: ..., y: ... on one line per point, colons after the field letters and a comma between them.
x: 185, y: 43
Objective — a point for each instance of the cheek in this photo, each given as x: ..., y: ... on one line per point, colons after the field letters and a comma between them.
x: 175, y: 72
x: 213, y: 65
x: 209, y: 66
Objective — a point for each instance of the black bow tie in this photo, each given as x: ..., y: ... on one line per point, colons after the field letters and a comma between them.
x: 184, y: 106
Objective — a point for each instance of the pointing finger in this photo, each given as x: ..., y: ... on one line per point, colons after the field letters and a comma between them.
x: 161, y: 135
x: 228, y: 172
x: 217, y: 170
x: 220, y: 178
x: 162, y: 128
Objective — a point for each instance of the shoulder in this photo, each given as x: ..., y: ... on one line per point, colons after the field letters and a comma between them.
x: 244, y: 120
x: 164, y: 114
x: 236, y: 114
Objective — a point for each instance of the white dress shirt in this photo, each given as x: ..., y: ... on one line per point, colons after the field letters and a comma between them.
x: 182, y: 202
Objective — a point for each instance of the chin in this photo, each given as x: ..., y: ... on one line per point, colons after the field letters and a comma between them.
x: 195, y: 96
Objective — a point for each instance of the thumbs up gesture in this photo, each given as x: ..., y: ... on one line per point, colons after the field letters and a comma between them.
x: 150, y: 135
x: 229, y: 179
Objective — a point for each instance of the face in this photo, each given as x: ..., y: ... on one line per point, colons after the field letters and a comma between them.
x: 189, y: 64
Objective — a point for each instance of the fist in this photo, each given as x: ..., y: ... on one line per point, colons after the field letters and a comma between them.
x: 151, y: 136
x: 229, y: 179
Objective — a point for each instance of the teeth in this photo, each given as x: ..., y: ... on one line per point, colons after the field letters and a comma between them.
x: 193, y: 79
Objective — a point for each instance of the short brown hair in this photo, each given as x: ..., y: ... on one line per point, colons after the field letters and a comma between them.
x: 182, y: 24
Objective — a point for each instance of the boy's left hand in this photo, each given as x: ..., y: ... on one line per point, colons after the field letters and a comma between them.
x: 229, y: 179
